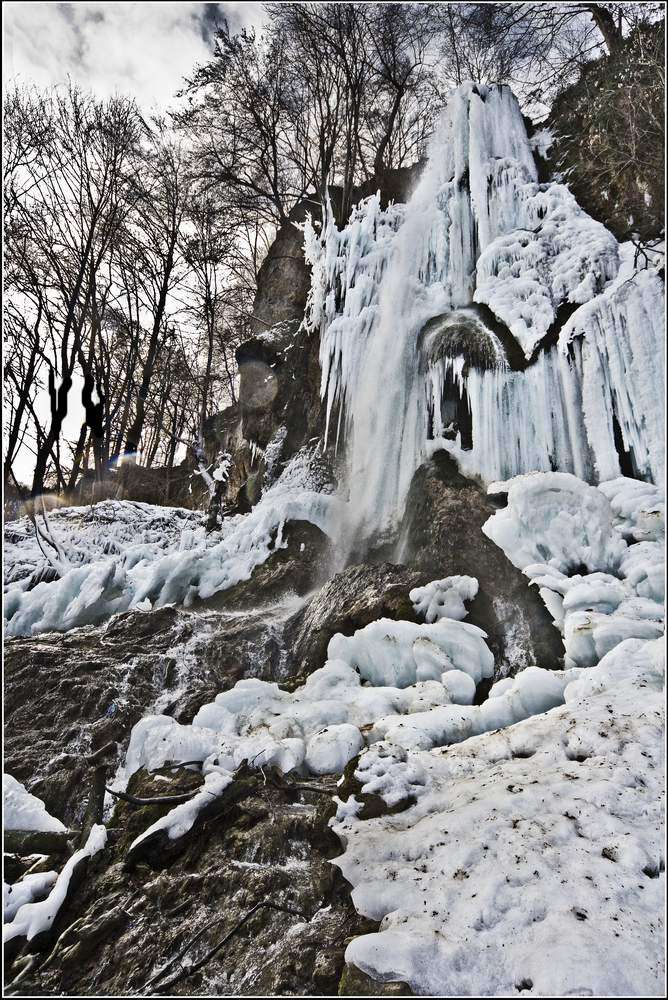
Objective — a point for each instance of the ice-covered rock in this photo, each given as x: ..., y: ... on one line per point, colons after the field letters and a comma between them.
x: 444, y: 598
x: 23, y: 811
x: 195, y: 566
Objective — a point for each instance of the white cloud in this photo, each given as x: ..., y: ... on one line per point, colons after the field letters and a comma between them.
x: 141, y: 49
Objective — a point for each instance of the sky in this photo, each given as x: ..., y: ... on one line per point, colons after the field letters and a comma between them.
x: 141, y: 49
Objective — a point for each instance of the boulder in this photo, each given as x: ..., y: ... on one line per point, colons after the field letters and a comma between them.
x: 441, y: 536
x: 352, y: 599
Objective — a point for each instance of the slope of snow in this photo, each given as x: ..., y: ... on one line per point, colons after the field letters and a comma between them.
x: 532, y: 859
x: 105, y: 530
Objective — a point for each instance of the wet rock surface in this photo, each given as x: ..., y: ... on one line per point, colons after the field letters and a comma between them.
x: 441, y: 536
x: 123, y: 929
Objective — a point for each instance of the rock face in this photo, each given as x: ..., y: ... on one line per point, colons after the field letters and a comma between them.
x: 440, y: 536
x: 350, y: 600
x: 123, y: 928
x: 280, y: 387
x: 283, y: 279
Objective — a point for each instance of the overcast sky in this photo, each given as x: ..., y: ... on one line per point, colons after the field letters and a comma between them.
x: 142, y: 49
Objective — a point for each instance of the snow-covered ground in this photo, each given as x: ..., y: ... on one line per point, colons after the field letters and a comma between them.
x: 120, y: 554
x: 532, y: 860
x: 528, y: 856
x: 106, y: 530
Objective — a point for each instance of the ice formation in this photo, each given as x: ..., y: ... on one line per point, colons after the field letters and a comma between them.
x: 23, y: 811
x: 596, y: 555
x: 410, y: 688
x: 444, y: 598
x: 193, y: 566
x: 479, y: 228
x: 33, y: 918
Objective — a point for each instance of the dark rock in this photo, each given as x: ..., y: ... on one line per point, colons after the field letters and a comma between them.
x: 441, y: 536
x: 355, y: 983
x: 283, y: 280
x: 304, y: 563
x: 279, y: 388
x: 122, y: 927
x: 350, y: 600
x: 26, y: 842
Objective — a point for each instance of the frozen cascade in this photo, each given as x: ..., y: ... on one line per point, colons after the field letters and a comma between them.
x: 479, y: 228
x: 377, y: 283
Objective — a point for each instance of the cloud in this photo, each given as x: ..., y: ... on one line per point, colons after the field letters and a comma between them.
x: 141, y: 49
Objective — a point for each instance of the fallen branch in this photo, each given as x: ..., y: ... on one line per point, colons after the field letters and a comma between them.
x: 190, y: 970
x: 157, y: 800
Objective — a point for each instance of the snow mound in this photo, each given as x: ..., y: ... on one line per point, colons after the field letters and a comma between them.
x: 23, y: 811
x: 444, y: 598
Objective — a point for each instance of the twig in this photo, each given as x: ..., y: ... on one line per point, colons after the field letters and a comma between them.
x: 288, y: 786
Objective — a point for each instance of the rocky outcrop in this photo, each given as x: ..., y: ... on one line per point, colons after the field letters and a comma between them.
x: 441, y: 536
x: 350, y: 600
x: 279, y: 388
x: 257, y: 877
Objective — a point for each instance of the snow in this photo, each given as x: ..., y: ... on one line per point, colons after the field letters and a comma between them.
x: 105, y: 530
x: 195, y: 565
x: 444, y: 598
x: 330, y: 750
x: 543, y: 840
x: 400, y: 653
x: 23, y: 811
x: 33, y: 918
x: 556, y: 254
x: 29, y: 889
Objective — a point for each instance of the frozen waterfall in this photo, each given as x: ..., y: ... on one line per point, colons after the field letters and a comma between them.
x: 503, y: 262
